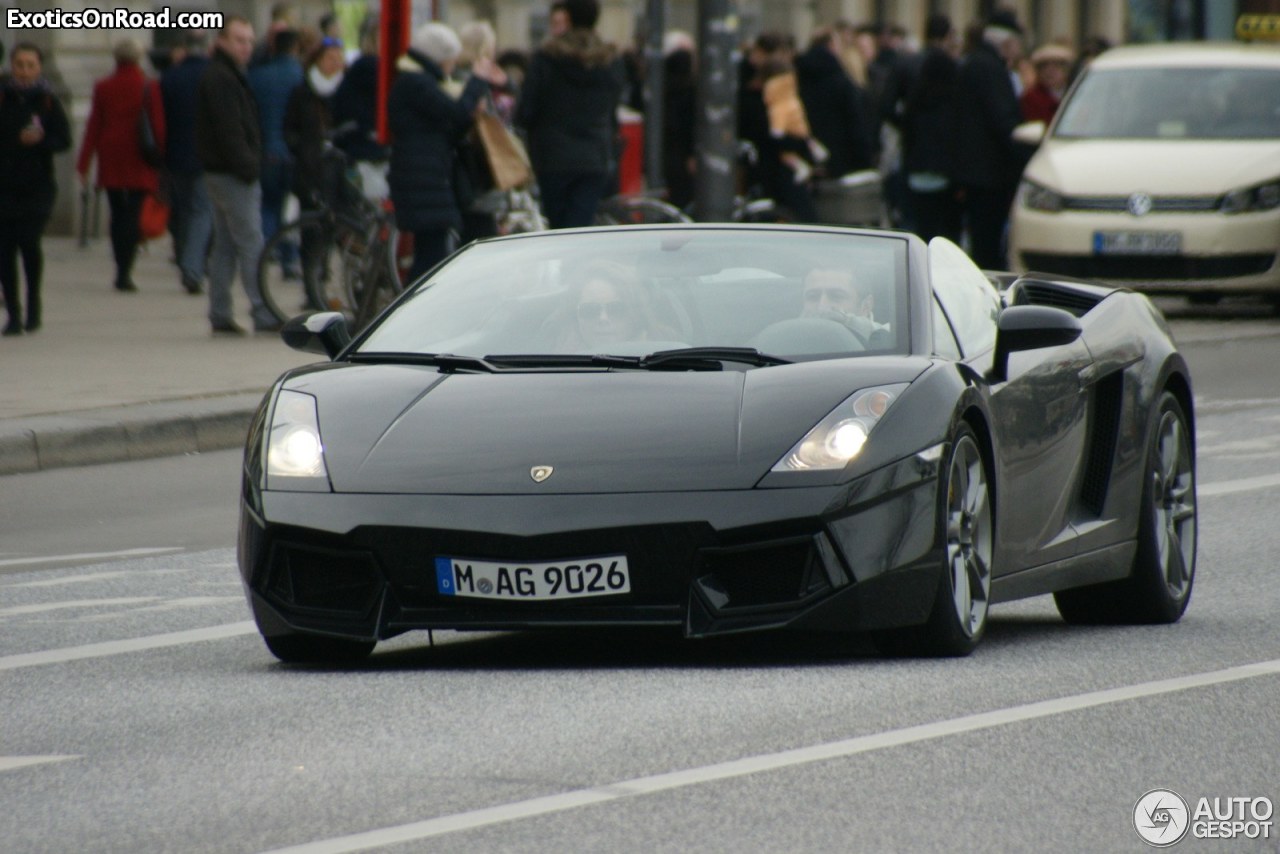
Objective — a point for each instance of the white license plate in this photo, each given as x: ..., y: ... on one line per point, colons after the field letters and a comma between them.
x: 579, y: 578
x: 1137, y: 242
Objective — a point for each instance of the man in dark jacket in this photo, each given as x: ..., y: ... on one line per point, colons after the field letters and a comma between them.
x: 427, y: 125
x: 928, y: 138
x: 568, y: 105
x: 190, y: 213
x: 836, y: 109
x: 229, y: 143
x: 987, y: 164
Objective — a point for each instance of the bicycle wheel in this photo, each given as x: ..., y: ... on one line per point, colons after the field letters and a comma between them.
x: 638, y: 210
x: 338, y: 267
x: 375, y: 275
x: 282, y: 267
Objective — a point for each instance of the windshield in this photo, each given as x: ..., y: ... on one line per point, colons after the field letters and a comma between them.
x: 1174, y: 103
x: 631, y: 292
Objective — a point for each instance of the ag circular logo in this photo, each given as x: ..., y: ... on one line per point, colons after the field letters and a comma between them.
x: 1161, y: 818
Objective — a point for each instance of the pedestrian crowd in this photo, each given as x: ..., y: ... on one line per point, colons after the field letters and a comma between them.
x: 234, y: 127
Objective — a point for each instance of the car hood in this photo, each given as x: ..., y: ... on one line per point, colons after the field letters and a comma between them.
x: 1089, y: 167
x: 410, y: 429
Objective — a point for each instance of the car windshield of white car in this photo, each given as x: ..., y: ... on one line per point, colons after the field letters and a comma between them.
x: 1174, y: 103
x: 738, y: 298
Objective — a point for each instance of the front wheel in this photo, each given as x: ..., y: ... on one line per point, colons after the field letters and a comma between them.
x: 959, y: 616
x: 291, y: 264
x: 298, y: 648
x: 1164, y: 567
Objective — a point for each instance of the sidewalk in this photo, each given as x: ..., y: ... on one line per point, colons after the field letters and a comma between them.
x: 118, y: 376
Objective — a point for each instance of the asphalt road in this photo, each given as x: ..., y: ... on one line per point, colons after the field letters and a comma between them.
x: 140, y: 712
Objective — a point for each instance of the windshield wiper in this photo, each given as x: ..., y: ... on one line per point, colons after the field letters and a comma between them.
x: 701, y: 355
x: 447, y: 362
x: 563, y: 360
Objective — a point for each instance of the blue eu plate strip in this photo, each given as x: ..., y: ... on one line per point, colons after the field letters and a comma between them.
x: 444, y: 576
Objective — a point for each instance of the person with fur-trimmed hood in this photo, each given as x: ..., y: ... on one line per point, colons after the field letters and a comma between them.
x: 568, y: 106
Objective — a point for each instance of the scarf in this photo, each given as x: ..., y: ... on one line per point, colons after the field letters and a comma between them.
x: 323, y: 86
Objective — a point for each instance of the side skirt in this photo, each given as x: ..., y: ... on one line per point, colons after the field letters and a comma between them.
x: 1105, y: 564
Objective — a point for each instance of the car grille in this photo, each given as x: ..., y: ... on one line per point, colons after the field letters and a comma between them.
x: 338, y: 582
x: 1149, y: 267
x: 1159, y: 204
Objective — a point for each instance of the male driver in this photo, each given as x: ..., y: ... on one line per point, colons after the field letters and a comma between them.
x: 229, y: 143
x: 834, y: 294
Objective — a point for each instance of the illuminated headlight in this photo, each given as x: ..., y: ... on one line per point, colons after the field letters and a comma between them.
x: 294, y: 448
x: 1262, y: 197
x: 1039, y: 198
x: 839, y: 437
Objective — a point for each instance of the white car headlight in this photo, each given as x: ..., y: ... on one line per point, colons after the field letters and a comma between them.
x: 294, y: 447
x: 839, y: 437
x: 1038, y: 197
x: 1260, y: 197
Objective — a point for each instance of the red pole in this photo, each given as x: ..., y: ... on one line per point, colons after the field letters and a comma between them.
x: 394, y: 25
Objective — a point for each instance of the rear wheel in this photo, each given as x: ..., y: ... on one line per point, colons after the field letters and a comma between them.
x: 1159, y: 588
x: 959, y: 617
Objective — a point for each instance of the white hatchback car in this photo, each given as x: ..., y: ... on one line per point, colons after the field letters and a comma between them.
x: 1161, y: 171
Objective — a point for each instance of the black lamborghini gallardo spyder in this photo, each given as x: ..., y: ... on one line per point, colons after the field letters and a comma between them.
x: 722, y: 429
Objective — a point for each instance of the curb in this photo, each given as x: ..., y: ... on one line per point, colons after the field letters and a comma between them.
x: 124, y: 433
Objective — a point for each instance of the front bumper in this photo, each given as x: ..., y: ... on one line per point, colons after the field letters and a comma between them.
x: 1220, y: 253
x: 865, y: 555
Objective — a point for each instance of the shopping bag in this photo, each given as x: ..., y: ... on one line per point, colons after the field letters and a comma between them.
x: 153, y: 220
x: 508, y: 160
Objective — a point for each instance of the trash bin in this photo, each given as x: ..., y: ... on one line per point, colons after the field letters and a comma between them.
x: 853, y: 199
x: 631, y: 164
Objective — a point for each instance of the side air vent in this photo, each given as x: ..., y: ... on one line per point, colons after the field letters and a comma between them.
x: 1055, y: 296
x: 1105, y: 404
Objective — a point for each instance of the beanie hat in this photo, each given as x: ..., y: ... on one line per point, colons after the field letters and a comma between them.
x: 437, y: 42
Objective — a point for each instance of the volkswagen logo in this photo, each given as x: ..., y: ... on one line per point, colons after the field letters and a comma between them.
x: 1139, y: 204
x: 540, y: 473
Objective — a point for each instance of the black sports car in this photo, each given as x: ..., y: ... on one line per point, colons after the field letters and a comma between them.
x: 721, y: 428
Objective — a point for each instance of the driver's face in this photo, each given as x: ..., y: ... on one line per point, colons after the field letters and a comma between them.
x: 826, y: 290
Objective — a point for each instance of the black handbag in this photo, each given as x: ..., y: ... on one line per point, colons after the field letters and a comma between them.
x: 147, y: 144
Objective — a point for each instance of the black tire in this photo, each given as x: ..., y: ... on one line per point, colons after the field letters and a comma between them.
x: 1159, y: 587
x: 966, y: 518
x: 298, y: 648
x: 288, y: 286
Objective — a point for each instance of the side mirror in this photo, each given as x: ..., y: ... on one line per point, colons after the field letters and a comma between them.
x: 1031, y: 327
x: 325, y: 333
x: 1030, y: 133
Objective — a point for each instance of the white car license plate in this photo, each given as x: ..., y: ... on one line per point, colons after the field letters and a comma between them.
x: 1137, y: 242
x: 579, y: 578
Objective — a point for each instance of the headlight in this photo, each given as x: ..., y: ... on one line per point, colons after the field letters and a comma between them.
x: 1261, y: 197
x: 1039, y: 198
x: 839, y: 437
x: 294, y: 448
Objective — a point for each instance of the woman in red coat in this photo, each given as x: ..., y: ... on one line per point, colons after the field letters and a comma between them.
x: 112, y: 135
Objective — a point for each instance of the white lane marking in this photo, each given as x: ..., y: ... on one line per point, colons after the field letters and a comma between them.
x: 9, y: 763
x: 770, y: 762
x: 43, y: 607
x: 166, y: 605
x: 91, y: 577
x: 90, y: 556
x: 1245, y: 484
x: 100, y: 650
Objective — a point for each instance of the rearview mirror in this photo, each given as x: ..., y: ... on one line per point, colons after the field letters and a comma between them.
x: 325, y: 333
x: 1031, y: 327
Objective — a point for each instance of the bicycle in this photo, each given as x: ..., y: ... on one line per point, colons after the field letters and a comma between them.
x: 638, y: 210
x: 344, y: 246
